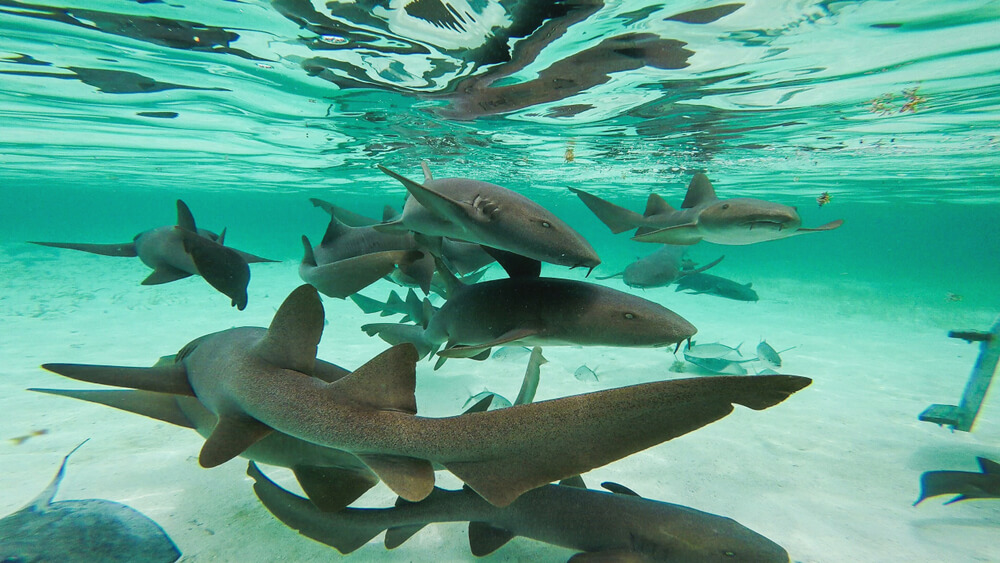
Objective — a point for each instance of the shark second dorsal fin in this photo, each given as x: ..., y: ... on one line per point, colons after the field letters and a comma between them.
x: 295, y: 331
x: 988, y: 466
x: 408, y: 477
x: 485, y: 538
x: 427, y: 171
x: 185, y: 219
x: 334, y: 230
x: 386, y: 382
x: 232, y: 435
x: 332, y: 488
x: 700, y: 191
x: 656, y: 205
x: 308, y: 257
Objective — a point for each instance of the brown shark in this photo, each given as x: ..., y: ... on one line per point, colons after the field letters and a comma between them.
x: 661, y: 268
x: 703, y: 216
x: 257, y: 381
x: 490, y: 215
x: 605, y: 526
x: 178, y: 251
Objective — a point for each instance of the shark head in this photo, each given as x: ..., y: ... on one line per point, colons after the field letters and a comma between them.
x: 705, y: 537
x: 622, y: 319
x: 540, y: 235
x: 747, y: 220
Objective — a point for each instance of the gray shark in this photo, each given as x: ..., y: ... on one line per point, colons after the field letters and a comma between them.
x: 661, y: 268
x: 490, y: 215
x: 966, y: 484
x: 703, y: 216
x: 178, y: 251
x: 81, y: 531
x: 531, y: 311
x: 715, y: 285
x: 257, y: 381
x: 345, y: 277
x: 605, y: 526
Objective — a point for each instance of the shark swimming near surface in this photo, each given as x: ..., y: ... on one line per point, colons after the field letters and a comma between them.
x: 703, y: 216
x: 256, y: 381
x: 178, y: 251
x: 605, y: 526
x: 490, y: 215
x: 81, y: 531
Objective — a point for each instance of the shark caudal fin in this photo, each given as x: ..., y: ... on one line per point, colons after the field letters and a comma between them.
x: 394, y: 333
x: 169, y: 378
x: 126, y: 249
x: 161, y: 406
x: 336, y: 529
x: 222, y: 267
x: 575, y: 434
x: 618, y: 219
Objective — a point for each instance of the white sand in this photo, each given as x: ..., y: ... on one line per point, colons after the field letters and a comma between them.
x: 830, y: 474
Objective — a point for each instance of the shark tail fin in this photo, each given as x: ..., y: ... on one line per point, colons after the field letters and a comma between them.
x: 369, y: 305
x: 618, y: 275
x: 160, y: 406
x: 308, y: 256
x: 656, y: 205
x: 618, y: 219
x: 126, y: 249
x: 395, y: 333
x: 699, y: 191
x: 485, y: 538
x: 171, y: 378
x: 336, y: 529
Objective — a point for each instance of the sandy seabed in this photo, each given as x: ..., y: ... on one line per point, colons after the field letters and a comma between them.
x: 830, y: 474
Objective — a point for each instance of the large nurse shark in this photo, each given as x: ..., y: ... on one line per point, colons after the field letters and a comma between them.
x: 256, y: 381
x: 703, y: 216
x: 177, y: 251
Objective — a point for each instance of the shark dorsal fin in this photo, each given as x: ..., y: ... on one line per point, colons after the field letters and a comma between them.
x: 427, y: 171
x: 385, y: 382
x: 334, y: 230
x: 989, y: 466
x: 656, y: 205
x: 700, y: 191
x: 619, y: 489
x: 185, y: 219
x: 575, y: 481
x: 309, y: 258
x: 389, y: 213
x: 485, y: 538
x: 294, y: 334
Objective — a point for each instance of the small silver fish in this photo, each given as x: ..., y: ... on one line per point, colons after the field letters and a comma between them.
x: 719, y: 365
x: 584, y: 373
x: 768, y: 355
x: 713, y: 350
x: 511, y: 353
x: 499, y: 402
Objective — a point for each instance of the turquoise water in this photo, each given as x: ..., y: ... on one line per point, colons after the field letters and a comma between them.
x: 110, y: 111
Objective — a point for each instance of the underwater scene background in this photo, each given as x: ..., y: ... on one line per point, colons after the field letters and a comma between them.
x: 887, y: 112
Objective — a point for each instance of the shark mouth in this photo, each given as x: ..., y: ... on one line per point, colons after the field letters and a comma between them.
x: 774, y: 225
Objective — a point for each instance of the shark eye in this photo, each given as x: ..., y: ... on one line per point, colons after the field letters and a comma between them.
x: 725, y: 206
x: 629, y: 316
x: 728, y: 554
x: 546, y: 224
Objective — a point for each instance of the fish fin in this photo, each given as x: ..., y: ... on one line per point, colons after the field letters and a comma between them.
x: 440, y: 362
x: 703, y: 268
x: 171, y: 378
x: 185, y: 219
x: 345, y: 277
x: 482, y: 405
x: 420, y: 269
x: 232, y: 435
x: 827, y: 227
x: 485, y: 538
x: 395, y: 333
x: 221, y: 239
x: 699, y: 191
x: 531, y: 376
x: 618, y: 219
x: 293, y: 336
x: 389, y: 213
x: 440, y: 205
x: 386, y: 382
x: 618, y: 275
x: 427, y: 171
x: 302, y: 515
x: 656, y: 205
x: 408, y: 477
x: 394, y: 226
x: 44, y: 499
x: 609, y: 556
x: 333, y: 488
x: 619, y: 489
x: 681, y: 235
x: 988, y: 467
x: 515, y: 265
x: 126, y: 249
x: 161, y: 406
x: 451, y: 283
x: 334, y: 230
x: 369, y: 305
x: 252, y: 258
x: 165, y: 274
x: 308, y: 256
x: 469, y: 351
x: 395, y: 537
x: 349, y: 218
x: 222, y: 267
x: 620, y: 428
x: 574, y: 481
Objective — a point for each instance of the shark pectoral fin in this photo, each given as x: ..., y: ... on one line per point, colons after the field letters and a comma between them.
x: 609, y: 556
x: 408, y: 477
x: 185, y: 219
x: 420, y: 268
x: 440, y: 362
x: 442, y: 206
x: 171, y: 378
x: 679, y: 234
x: 165, y: 274
x: 333, y: 488
x: 302, y: 515
x: 470, y: 351
x: 484, y: 538
x: 618, y: 219
x: 252, y: 258
x: 827, y: 227
x: 232, y: 435
x: 222, y: 267
x: 619, y: 489
x: 482, y: 405
x: 350, y: 275
x: 126, y: 249
x: 294, y: 333
x: 161, y: 406
x: 395, y: 537
x: 988, y: 466
x: 515, y: 265
x: 482, y: 356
